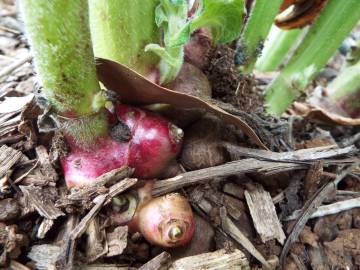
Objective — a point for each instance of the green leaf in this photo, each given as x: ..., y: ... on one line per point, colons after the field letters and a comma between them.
x: 162, y: 53
x: 181, y: 37
x: 171, y: 17
x: 224, y: 18
x: 160, y: 16
x: 171, y: 60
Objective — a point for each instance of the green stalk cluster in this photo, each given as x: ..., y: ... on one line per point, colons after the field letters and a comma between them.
x: 319, y: 44
x: 256, y: 30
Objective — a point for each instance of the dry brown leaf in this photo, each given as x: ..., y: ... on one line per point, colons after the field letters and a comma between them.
x: 304, y: 12
x: 135, y: 89
x: 319, y: 114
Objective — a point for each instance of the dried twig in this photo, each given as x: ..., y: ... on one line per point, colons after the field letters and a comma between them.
x: 350, y: 140
x: 227, y: 169
x: 274, y: 163
x: 329, y: 209
x: 310, y: 154
x: 11, y: 139
x: 109, y: 177
x: 118, y: 188
x: 84, y: 223
x: 10, y: 30
x: 232, y: 230
x: 87, y: 196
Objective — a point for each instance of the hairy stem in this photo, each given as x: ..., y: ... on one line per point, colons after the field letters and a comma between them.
x: 277, y: 46
x: 319, y: 44
x: 120, y: 31
x: 59, y: 36
x: 58, y: 33
x: 252, y: 39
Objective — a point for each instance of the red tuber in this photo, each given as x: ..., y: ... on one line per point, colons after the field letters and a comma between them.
x: 153, y: 144
x: 166, y: 221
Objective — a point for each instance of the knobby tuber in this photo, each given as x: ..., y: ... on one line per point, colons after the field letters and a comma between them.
x: 166, y: 221
x: 153, y: 143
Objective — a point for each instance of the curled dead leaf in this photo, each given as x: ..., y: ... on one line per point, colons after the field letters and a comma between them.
x: 317, y: 113
x: 137, y: 90
x: 298, y: 13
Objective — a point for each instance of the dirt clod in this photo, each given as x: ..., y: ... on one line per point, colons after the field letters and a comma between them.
x: 228, y: 85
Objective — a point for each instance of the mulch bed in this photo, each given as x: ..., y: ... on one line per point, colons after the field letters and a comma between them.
x: 295, y: 207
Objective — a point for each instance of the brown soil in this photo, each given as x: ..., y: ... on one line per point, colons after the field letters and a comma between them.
x: 228, y: 85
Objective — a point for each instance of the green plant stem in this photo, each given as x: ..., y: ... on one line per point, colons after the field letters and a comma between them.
x: 278, y: 44
x: 120, y: 31
x: 344, y: 90
x: 59, y: 36
x: 252, y: 39
x: 171, y: 18
x: 319, y: 44
x: 58, y: 33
